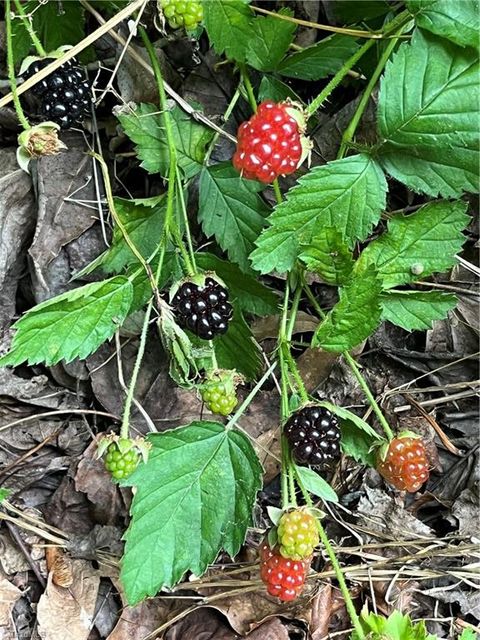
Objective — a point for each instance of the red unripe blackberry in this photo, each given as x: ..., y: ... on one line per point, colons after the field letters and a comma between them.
x: 269, y: 144
x: 284, y: 578
x: 297, y: 534
x: 404, y: 463
x: 313, y: 435
x: 204, y: 309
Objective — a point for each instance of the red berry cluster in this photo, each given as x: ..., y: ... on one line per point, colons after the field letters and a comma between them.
x: 405, y: 464
x: 269, y: 144
x: 283, y: 577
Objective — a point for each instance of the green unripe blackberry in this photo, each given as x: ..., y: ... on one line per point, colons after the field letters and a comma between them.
x: 182, y: 13
x: 297, y: 534
x: 121, y: 462
x: 219, y: 398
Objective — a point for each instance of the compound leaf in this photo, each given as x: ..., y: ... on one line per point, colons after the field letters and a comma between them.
x: 231, y: 210
x: 347, y: 194
x: 144, y: 127
x: 431, y: 131
x: 71, y: 325
x: 416, y: 310
x: 419, y: 244
x: 193, y: 497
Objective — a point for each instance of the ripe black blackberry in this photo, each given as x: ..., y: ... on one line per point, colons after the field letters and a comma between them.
x: 314, y: 436
x: 203, y: 309
x: 64, y: 94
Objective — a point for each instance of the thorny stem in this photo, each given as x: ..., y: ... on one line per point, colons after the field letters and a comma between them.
x: 31, y: 31
x: 355, y: 370
x: 354, y: 122
x: 11, y: 68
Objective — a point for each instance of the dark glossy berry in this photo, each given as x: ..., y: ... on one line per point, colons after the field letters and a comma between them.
x: 121, y: 465
x: 203, y: 309
x: 404, y: 464
x: 314, y: 436
x: 269, y: 144
x: 283, y: 577
x: 64, y: 93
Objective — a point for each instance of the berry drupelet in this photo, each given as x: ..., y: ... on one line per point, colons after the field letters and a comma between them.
x: 269, y: 144
x: 284, y: 578
x: 404, y: 463
x: 202, y: 309
x: 64, y: 94
x: 313, y: 435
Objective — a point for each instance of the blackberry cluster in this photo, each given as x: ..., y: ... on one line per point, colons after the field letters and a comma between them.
x: 64, y: 94
x: 297, y: 534
x: 203, y: 309
x: 182, y: 13
x: 283, y: 577
x: 314, y: 436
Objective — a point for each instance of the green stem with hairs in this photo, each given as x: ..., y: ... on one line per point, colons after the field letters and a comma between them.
x: 362, y: 105
x: 31, y: 32
x: 11, y: 68
x: 355, y: 370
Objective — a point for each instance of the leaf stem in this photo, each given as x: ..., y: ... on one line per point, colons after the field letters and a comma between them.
x: 355, y: 370
x: 248, y: 86
x: 276, y: 189
x: 226, y: 116
x: 11, y: 68
x: 354, y: 122
x: 185, y: 220
x: 29, y: 27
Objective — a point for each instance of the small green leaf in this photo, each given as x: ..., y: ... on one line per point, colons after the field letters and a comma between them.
x: 229, y: 26
x: 231, y: 210
x: 328, y: 256
x: 419, y: 244
x: 468, y: 634
x: 416, y: 310
x: 355, y: 316
x: 269, y: 40
x: 274, y: 513
x: 71, y: 325
x: 315, y: 484
x: 272, y: 88
x: 193, y: 498
x: 352, y: 11
x: 145, y: 128
x: 4, y: 493
x: 246, y: 291
x: 54, y: 25
x: 397, y: 626
x: 430, y: 132
x: 359, y: 444
x: 237, y: 348
x: 322, y: 59
x: 349, y: 416
x: 347, y: 194
x: 457, y: 21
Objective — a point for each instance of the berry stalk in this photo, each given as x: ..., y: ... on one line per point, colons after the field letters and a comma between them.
x: 11, y: 67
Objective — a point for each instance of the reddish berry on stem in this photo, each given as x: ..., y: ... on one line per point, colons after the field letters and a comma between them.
x: 284, y: 578
x: 297, y: 534
x: 269, y: 144
x: 404, y: 464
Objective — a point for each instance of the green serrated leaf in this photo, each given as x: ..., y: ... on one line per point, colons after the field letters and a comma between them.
x: 416, y: 310
x: 231, y: 210
x: 345, y: 414
x: 247, y: 292
x: 71, y: 325
x: 315, y: 484
x: 145, y: 128
x: 237, y: 348
x: 193, y: 498
x: 269, y: 41
x: 397, y: 626
x: 457, y: 21
x: 431, y: 132
x: 54, y: 25
x: 355, y: 316
x: 417, y: 245
x: 359, y: 444
x: 328, y: 256
x: 229, y: 26
x: 347, y: 194
x: 272, y: 88
x: 322, y: 59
